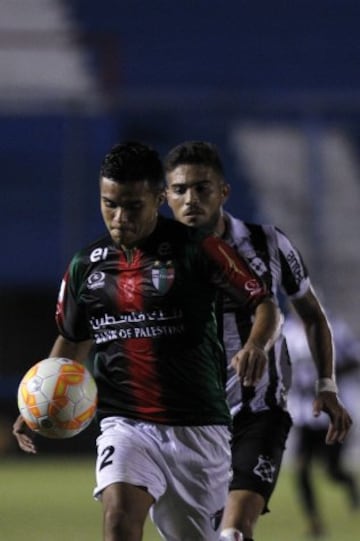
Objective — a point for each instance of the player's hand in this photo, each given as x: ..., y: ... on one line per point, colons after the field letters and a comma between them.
x: 340, y: 420
x: 249, y: 364
x: 24, y: 436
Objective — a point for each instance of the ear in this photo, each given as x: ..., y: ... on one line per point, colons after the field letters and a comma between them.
x: 161, y: 199
x: 225, y: 192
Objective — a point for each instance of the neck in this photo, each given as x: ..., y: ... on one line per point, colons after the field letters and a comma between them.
x: 220, y: 226
x: 129, y: 253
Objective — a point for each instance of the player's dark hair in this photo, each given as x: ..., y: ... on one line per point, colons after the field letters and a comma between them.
x: 132, y: 161
x: 194, y: 153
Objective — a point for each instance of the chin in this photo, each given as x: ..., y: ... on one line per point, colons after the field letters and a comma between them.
x: 118, y: 241
x: 193, y: 221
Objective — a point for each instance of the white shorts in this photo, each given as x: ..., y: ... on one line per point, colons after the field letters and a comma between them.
x: 186, y: 469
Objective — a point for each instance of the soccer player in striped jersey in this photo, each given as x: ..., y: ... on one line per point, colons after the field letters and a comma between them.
x: 144, y: 296
x: 309, y: 434
x: 196, y: 193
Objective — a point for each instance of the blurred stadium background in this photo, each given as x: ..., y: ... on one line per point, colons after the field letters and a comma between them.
x: 276, y: 85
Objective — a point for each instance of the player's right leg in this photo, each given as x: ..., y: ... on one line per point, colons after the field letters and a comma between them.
x: 257, y: 449
x: 242, y: 510
x: 128, y: 477
x: 125, y: 508
x: 310, y: 444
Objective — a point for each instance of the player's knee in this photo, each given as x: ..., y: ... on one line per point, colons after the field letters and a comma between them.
x: 231, y: 534
x: 119, y: 524
x: 114, y: 519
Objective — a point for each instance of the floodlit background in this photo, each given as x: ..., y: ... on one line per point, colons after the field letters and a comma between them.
x: 275, y: 84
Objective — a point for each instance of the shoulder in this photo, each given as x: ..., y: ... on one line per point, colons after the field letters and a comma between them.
x: 94, y: 252
x: 177, y: 232
x: 273, y: 235
x: 242, y: 228
x: 259, y: 235
x: 166, y: 224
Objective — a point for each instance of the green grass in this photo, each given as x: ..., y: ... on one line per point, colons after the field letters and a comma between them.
x: 51, y: 500
x: 286, y: 520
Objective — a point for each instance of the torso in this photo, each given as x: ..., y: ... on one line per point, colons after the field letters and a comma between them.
x: 152, y: 319
x: 273, y: 257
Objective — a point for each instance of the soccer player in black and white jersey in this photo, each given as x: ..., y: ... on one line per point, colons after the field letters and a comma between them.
x: 309, y: 432
x: 196, y: 193
x: 144, y: 297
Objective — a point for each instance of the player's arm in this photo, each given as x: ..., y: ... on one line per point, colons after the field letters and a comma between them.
x: 251, y: 360
x: 320, y: 340
x: 235, y: 276
x: 77, y: 351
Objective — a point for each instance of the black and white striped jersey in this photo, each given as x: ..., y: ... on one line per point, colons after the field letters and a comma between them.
x: 275, y: 259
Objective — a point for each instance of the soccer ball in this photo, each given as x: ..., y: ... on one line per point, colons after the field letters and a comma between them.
x: 57, y: 398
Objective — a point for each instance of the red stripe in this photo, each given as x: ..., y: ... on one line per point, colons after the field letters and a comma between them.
x: 142, y: 362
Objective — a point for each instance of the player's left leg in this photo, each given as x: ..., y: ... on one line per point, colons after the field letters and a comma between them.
x: 197, y: 480
x: 231, y: 534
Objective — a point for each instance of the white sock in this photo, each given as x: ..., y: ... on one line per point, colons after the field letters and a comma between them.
x: 231, y: 534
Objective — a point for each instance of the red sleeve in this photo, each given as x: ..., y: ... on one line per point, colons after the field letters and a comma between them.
x: 233, y: 273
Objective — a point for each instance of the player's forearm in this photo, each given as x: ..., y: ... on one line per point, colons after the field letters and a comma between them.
x: 318, y: 333
x: 266, y: 325
x: 320, y: 340
x: 77, y: 351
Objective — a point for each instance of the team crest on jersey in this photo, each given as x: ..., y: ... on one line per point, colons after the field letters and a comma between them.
x: 265, y: 469
x: 255, y: 261
x: 163, y: 274
x: 164, y: 249
x: 96, y: 280
x: 257, y: 265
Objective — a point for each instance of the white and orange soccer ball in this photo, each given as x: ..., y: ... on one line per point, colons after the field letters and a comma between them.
x: 57, y: 398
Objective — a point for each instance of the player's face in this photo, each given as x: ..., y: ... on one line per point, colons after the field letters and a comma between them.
x: 195, y: 194
x: 129, y: 210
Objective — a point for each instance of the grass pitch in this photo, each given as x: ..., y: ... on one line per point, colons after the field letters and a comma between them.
x: 50, y: 499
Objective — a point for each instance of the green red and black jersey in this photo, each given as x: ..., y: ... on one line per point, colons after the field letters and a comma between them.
x: 151, y: 314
